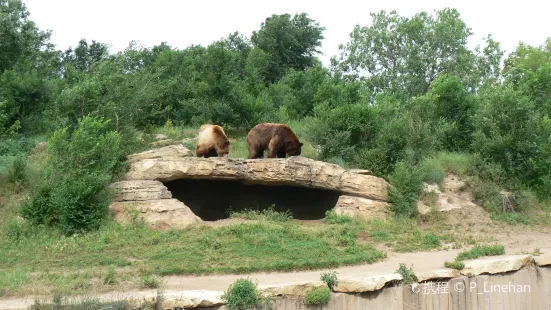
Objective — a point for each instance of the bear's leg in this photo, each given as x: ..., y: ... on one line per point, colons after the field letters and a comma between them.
x: 281, y: 154
x: 274, y: 148
x: 255, y: 151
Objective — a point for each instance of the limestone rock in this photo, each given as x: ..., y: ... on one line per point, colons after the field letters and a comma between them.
x: 162, y: 143
x: 367, y: 284
x: 192, y: 299
x: 160, y: 136
x: 163, y: 165
x: 437, y: 274
x: 159, y: 214
x: 167, y: 152
x: 364, y: 208
x: 140, y: 190
x: 294, y: 289
x: 543, y: 260
x: 495, y: 264
x: 361, y: 171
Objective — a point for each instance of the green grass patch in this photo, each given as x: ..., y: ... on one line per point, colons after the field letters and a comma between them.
x: 269, y: 214
x: 480, y: 251
x: 454, y: 265
x: 318, y: 296
x: 137, y: 251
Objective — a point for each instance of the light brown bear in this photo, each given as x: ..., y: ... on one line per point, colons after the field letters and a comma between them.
x: 212, y: 142
x: 279, y: 139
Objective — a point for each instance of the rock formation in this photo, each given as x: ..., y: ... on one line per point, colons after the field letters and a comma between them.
x: 363, y: 194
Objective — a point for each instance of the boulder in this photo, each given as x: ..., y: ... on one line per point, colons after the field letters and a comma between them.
x: 167, y: 152
x: 543, y: 260
x: 495, y: 265
x: 192, y: 299
x: 159, y: 214
x: 168, y: 164
x: 294, y: 289
x: 367, y: 284
x: 140, y: 190
x: 363, y: 208
x: 437, y: 274
x: 160, y: 136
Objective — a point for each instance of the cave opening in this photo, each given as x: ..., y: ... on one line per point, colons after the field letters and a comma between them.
x: 211, y: 199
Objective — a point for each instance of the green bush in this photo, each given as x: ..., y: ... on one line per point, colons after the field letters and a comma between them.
x: 330, y: 278
x: 17, y: 172
x: 407, y: 273
x: 431, y: 240
x: 242, y: 294
x: 406, y: 188
x: 73, y: 194
x: 318, y: 296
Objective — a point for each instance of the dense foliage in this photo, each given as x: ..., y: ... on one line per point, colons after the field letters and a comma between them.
x: 402, y: 90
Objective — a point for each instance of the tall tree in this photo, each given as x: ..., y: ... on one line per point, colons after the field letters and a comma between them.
x: 406, y: 55
x: 19, y: 36
x: 291, y: 42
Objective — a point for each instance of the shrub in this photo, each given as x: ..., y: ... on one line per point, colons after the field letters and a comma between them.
x: 454, y: 265
x: 431, y: 240
x: 17, y: 172
x: 406, y: 188
x: 110, y: 277
x: 242, y: 294
x: 73, y: 194
x: 407, y: 274
x: 150, y: 281
x: 318, y: 296
x: 330, y: 278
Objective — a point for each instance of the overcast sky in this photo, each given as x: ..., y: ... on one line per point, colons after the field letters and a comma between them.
x: 181, y: 23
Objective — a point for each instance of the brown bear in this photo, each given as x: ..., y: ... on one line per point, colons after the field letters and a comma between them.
x: 212, y: 141
x: 279, y: 139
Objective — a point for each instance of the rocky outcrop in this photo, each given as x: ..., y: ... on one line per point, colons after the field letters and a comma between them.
x: 159, y: 214
x: 367, y: 284
x: 192, y: 299
x: 363, y: 194
x: 167, y: 152
x: 543, y: 260
x: 364, y: 208
x: 294, y: 289
x: 140, y: 190
x: 496, y: 264
x: 437, y: 274
x: 294, y: 171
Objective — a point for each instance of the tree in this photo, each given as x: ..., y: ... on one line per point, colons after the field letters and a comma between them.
x: 405, y: 55
x: 19, y: 36
x: 290, y: 42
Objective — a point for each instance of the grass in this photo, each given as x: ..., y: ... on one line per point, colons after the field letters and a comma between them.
x: 263, y: 215
x: 78, y: 264
x: 474, y: 253
x: 318, y: 296
x: 481, y: 250
x: 406, y: 235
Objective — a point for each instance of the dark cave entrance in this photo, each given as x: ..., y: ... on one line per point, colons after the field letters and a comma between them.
x: 211, y: 199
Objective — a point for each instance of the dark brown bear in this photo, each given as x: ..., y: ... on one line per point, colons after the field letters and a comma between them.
x: 212, y: 141
x: 279, y: 139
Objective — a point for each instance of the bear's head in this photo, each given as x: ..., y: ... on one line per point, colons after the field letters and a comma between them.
x: 293, y: 148
x: 225, y: 149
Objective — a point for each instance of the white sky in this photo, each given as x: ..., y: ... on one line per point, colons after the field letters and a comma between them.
x: 181, y: 23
